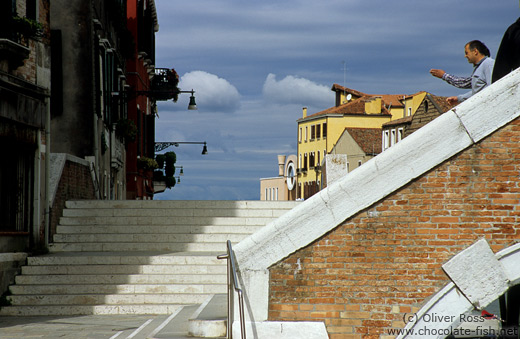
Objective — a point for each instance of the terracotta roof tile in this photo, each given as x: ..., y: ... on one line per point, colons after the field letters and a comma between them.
x: 354, y: 107
x: 369, y: 139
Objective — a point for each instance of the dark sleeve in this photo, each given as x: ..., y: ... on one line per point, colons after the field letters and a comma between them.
x: 508, y: 55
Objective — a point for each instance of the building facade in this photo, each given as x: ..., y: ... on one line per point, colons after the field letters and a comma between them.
x: 25, y: 86
x: 282, y: 187
x: 320, y: 133
x: 24, y: 110
x: 142, y: 24
x: 90, y: 47
x: 427, y: 108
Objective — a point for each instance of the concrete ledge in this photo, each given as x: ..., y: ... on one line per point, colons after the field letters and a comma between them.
x: 478, y: 274
x: 282, y: 330
x: 210, y: 319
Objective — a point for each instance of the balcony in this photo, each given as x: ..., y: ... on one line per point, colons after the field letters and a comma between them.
x: 15, y: 33
x: 12, y: 55
x: 164, y: 84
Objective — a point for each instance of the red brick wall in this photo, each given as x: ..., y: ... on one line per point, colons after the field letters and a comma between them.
x: 75, y: 184
x: 363, y: 276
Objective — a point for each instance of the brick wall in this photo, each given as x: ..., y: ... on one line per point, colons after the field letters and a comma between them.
x: 425, y: 113
x: 361, y: 278
x: 75, y: 184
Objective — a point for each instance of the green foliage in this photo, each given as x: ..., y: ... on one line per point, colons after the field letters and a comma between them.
x: 126, y: 129
x: 160, y: 158
x: 146, y: 164
x: 27, y: 28
x: 166, y: 161
x: 170, y: 182
x: 169, y: 169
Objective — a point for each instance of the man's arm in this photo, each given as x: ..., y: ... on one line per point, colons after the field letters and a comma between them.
x: 459, y: 82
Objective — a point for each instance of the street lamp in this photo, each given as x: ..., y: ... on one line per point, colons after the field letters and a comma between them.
x: 161, y: 145
x: 158, y: 95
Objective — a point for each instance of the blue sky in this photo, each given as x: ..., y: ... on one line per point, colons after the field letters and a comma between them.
x: 255, y: 64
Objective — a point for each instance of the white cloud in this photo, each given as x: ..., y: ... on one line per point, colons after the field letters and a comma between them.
x: 295, y: 90
x: 211, y: 92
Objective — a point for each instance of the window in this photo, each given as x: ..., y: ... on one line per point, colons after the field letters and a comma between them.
x: 311, y: 160
x: 400, y: 134
x: 31, y: 11
x: 392, y: 137
x: 324, y: 130
x: 300, y: 135
x: 409, y: 111
x: 305, y: 162
x: 313, y: 132
x: 386, y: 140
x: 318, y: 131
x: 306, y: 133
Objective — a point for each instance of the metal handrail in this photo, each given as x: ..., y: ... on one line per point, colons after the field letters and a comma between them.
x: 233, y: 287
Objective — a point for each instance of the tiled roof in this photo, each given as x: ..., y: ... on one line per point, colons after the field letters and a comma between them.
x: 390, y: 99
x: 354, y: 107
x: 402, y: 121
x: 369, y: 139
x: 442, y: 103
x: 339, y: 88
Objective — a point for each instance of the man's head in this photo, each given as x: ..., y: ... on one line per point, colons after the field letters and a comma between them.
x: 475, y: 51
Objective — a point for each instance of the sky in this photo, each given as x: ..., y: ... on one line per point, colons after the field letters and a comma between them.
x: 255, y: 64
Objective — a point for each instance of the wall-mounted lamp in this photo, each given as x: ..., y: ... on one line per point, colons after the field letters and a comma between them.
x: 161, y: 145
x: 157, y: 95
x: 192, y: 106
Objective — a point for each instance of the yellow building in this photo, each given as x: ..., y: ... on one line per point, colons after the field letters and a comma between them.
x: 319, y: 133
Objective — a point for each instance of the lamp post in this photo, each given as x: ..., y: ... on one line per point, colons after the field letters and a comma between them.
x: 161, y: 145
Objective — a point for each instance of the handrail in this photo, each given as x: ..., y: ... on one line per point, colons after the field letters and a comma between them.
x: 233, y: 287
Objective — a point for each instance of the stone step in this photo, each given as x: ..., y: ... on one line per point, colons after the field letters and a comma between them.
x: 124, y: 269
x: 58, y: 310
x: 210, y: 319
x: 126, y: 258
x: 136, y: 257
x: 121, y: 279
x: 180, y: 204
x: 158, y: 220
x: 164, y: 229
x: 148, y: 238
x: 136, y: 247
x: 174, y: 212
x: 106, y: 299
x: 170, y: 288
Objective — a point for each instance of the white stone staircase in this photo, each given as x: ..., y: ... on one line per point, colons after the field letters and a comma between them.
x: 136, y: 257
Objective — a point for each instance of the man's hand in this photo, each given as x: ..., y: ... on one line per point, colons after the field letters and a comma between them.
x: 437, y: 73
x: 452, y: 100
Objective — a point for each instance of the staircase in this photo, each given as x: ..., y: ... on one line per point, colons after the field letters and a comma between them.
x: 136, y: 257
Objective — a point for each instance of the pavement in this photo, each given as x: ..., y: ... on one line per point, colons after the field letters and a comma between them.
x: 174, y: 326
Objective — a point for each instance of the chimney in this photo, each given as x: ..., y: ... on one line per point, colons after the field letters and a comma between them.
x: 281, y: 165
x: 305, y: 112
